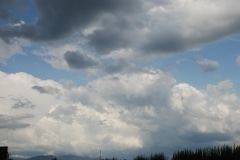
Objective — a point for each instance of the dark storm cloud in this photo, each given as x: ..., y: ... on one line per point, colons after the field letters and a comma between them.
x: 115, y: 33
x: 77, y: 60
x: 59, y: 18
x: 145, y: 26
x: 22, y: 103
x: 5, y: 14
x: 13, y: 122
x: 104, y: 41
x: 207, y: 137
x: 46, y: 89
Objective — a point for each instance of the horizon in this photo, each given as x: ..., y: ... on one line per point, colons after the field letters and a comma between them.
x: 226, y: 151
x: 121, y: 76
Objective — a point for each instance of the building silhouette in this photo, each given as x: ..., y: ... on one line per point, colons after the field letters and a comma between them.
x: 4, y: 155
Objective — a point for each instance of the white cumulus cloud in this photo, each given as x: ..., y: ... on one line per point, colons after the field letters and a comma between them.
x: 131, y: 111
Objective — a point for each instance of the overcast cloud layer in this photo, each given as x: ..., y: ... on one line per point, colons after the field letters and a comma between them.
x: 125, y: 105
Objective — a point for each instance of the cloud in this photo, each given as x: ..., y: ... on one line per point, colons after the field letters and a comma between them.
x: 222, y: 88
x: 128, y: 108
x: 77, y: 60
x: 145, y: 27
x: 238, y: 60
x: 6, y: 14
x: 25, y: 99
x: 116, y: 66
x: 128, y: 89
x: 13, y: 122
x: 63, y: 113
x: 168, y: 42
x: 206, y: 110
x: 114, y: 33
x: 46, y: 89
x: 54, y: 55
x: 67, y: 18
x: 71, y: 57
x: 207, y: 65
x: 9, y: 49
x: 22, y: 103
x: 207, y: 137
x: 118, y: 112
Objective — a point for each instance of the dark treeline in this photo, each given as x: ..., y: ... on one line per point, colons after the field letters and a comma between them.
x: 157, y: 156
x: 224, y: 152
x: 209, y: 153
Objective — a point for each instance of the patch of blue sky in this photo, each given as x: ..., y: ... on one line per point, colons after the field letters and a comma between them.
x: 37, y: 67
x: 185, y: 70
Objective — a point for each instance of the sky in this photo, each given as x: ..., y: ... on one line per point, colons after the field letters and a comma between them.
x: 125, y: 77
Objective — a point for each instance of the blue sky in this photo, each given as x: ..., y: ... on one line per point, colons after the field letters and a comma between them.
x: 121, y: 76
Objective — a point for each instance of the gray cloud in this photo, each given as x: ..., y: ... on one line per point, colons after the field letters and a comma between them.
x: 64, y: 113
x: 46, y: 89
x: 13, y: 122
x: 207, y: 137
x: 148, y: 27
x: 168, y: 42
x: 6, y: 14
x: 116, y: 66
x: 105, y: 40
x: 207, y: 65
x: 115, y: 33
x: 22, y: 103
x: 60, y: 17
x: 77, y: 60
x: 238, y: 60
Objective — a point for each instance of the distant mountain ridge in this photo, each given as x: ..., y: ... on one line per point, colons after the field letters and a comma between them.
x: 73, y: 157
x: 63, y: 157
x: 49, y: 157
